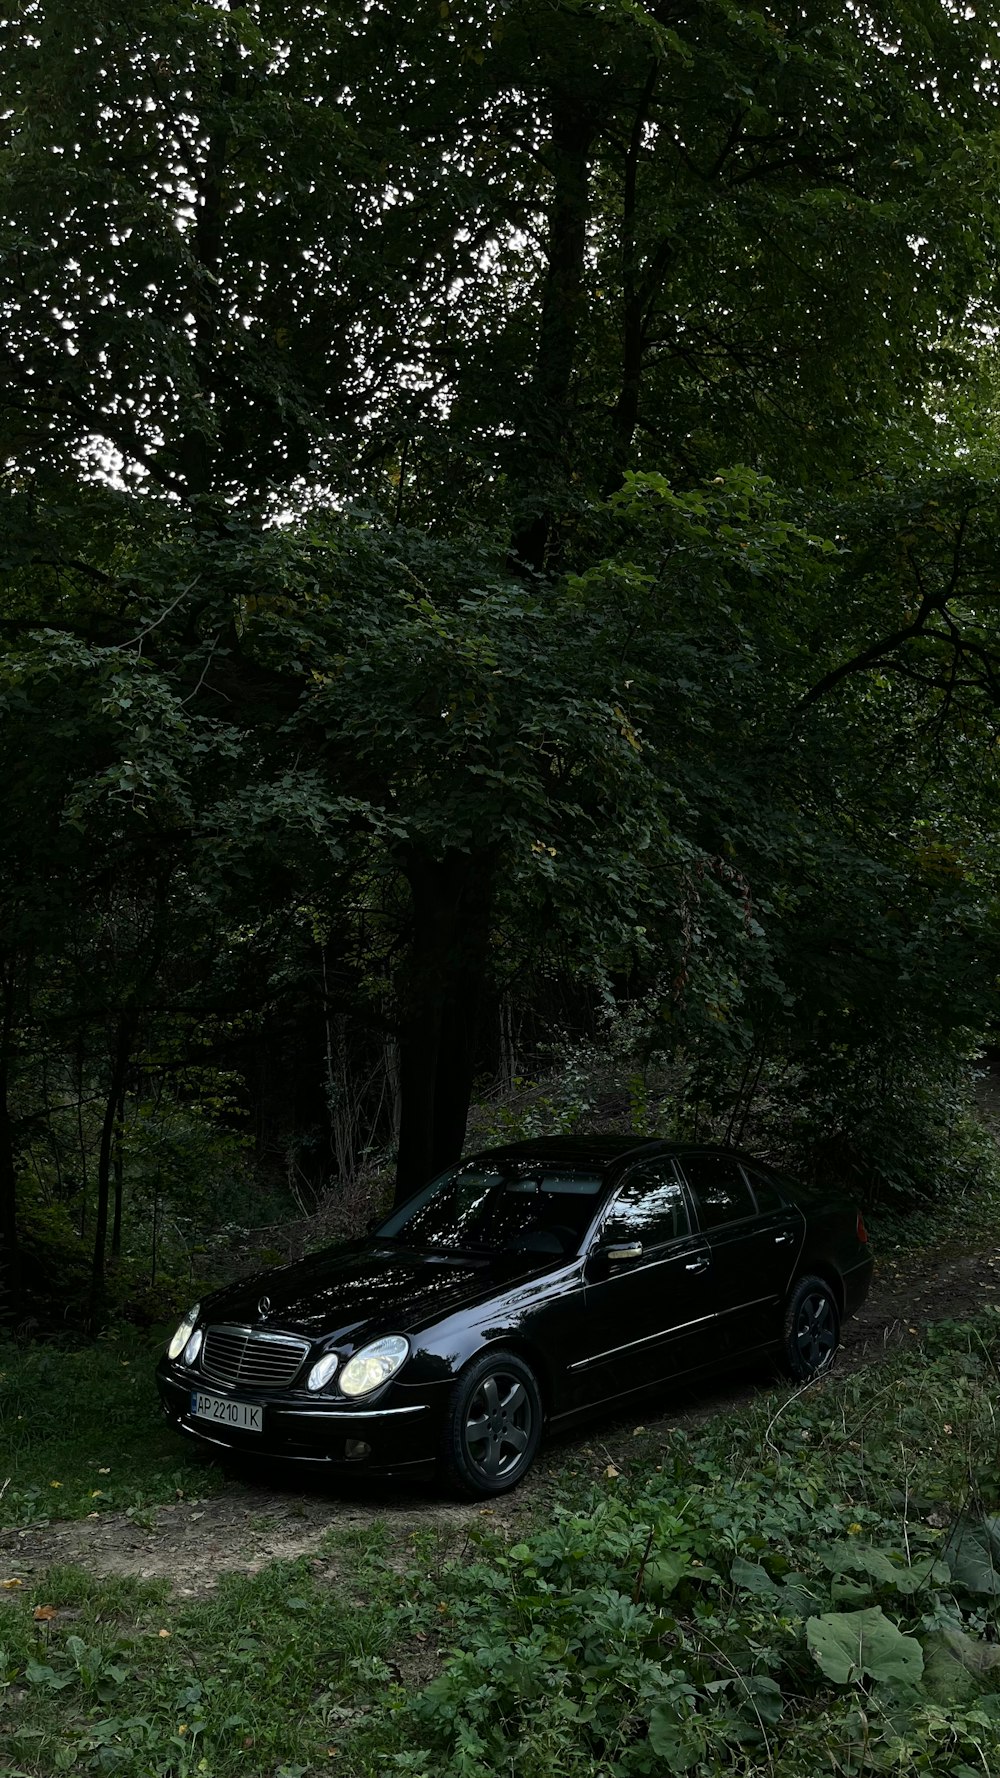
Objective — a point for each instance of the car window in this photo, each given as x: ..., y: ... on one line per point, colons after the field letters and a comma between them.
x: 721, y: 1193
x: 764, y: 1190
x: 650, y: 1207
x: 497, y: 1209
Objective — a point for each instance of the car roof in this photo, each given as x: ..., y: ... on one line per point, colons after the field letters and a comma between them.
x: 598, y: 1151
x: 579, y: 1151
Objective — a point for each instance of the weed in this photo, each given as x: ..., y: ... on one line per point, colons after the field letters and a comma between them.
x: 81, y: 1432
x: 809, y: 1584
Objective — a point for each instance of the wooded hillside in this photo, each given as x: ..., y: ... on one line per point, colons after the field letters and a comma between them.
x: 500, y: 549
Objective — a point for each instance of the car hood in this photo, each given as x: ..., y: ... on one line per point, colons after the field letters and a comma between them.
x: 375, y: 1286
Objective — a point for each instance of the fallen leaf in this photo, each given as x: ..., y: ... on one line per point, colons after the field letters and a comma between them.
x: 164, y: 1632
x: 636, y: 1430
x: 45, y: 1613
x: 13, y: 1582
x: 55, y: 1484
x: 611, y: 1471
x: 104, y: 1472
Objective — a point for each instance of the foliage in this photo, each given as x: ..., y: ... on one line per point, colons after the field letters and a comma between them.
x: 499, y: 511
x: 271, y: 1669
x: 82, y: 1432
x: 812, y: 1575
x: 778, y: 1589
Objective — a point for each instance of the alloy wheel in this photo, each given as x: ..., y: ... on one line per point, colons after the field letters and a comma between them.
x: 498, y: 1426
x: 816, y: 1333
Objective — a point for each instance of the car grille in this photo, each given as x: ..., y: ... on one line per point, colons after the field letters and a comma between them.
x: 255, y: 1360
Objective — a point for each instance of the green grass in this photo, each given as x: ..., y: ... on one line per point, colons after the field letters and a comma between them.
x: 690, y: 1615
x: 81, y: 1432
x: 266, y: 1677
x: 685, y: 1616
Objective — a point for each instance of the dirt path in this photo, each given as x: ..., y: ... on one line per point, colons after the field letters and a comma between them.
x: 266, y: 1518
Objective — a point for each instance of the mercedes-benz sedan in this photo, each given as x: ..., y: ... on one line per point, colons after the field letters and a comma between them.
x: 526, y: 1287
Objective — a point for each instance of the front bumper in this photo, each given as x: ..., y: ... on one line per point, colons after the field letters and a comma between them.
x: 399, y: 1429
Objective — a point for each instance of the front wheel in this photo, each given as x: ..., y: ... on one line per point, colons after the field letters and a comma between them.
x: 811, y: 1331
x: 494, y: 1425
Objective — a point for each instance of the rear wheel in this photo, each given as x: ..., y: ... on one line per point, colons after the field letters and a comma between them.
x: 811, y: 1332
x: 494, y: 1425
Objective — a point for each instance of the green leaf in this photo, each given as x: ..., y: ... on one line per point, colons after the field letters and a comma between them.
x: 957, y: 1667
x: 850, y: 1645
x: 753, y: 1577
x: 972, y: 1552
x: 671, y: 1739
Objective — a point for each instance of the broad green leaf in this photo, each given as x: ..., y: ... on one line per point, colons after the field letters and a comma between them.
x: 958, y: 1666
x: 972, y: 1552
x: 851, y: 1645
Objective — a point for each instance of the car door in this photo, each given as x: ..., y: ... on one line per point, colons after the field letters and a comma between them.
x: 647, y: 1297
x: 752, y: 1250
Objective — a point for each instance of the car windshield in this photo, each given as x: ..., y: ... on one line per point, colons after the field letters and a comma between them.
x: 500, y: 1208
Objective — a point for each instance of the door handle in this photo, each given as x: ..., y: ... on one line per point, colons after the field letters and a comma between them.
x: 696, y: 1265
x: 778, y: 1239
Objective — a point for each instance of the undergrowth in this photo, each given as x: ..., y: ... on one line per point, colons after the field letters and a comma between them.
x: 81, y: 1432
x: 808, y: 1585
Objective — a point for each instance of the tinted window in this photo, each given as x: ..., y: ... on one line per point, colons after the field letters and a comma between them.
x: 765, y: 1191
x: 720, y: 1190
x: 650, y: 1207
x: 490, y: 1209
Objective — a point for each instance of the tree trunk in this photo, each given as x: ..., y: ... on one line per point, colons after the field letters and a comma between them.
x: 119, y: 1171
x: 639, y: 290
x: 548, y: 402
x: 9, y: 1281
x: 124, y: 1032
x: 441, y: 995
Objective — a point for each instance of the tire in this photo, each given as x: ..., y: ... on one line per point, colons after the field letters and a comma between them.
x: 811, y: 1329
x: 493, y: 1427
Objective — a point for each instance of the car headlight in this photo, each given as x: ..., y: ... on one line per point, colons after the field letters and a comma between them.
x: 184, y: 1332
x: 322, y: 1371
x: 374, y: 1364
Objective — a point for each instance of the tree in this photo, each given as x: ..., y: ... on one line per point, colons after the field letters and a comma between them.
x: 367, y: 322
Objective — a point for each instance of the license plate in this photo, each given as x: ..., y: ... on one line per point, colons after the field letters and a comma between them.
x: 227, y: 1413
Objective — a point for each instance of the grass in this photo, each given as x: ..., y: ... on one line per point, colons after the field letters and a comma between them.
x: 670, y: 1619
x: 81, y: 1432
x: 265, y: 1677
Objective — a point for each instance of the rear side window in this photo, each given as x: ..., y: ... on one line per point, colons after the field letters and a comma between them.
x: 650, y: 1207
x: 765, y: 1191
x: 721, y: 1193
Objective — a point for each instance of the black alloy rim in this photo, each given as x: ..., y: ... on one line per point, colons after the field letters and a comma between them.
x: 816, y: 1332
x: 499, y: 1425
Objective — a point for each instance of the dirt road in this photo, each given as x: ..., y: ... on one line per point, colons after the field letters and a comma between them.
x: 270, y: 1517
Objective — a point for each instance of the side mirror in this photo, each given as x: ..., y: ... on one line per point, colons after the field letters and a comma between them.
x: 626, y: 1250
x: 606, y: 1255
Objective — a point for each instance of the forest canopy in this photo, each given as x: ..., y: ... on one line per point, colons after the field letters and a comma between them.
x: 499, y: 560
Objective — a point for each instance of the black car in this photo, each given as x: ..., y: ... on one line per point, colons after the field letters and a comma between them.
x: 525, y: 1287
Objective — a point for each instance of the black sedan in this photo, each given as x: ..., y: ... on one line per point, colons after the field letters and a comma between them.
x: 523, y: 1288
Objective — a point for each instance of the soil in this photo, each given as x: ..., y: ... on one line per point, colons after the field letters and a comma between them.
x: 267, y: 1517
